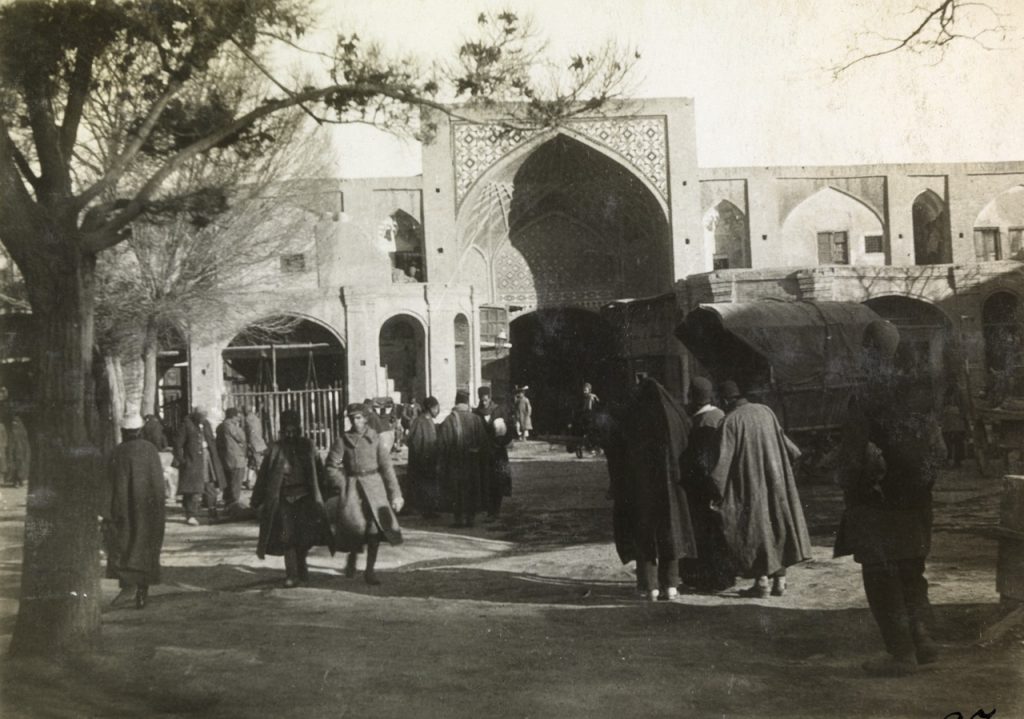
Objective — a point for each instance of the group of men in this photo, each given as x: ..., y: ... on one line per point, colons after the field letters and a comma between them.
x: 703, y: 496
x: 709, y: 495
x: 461, y: 465
x: 210, y: 462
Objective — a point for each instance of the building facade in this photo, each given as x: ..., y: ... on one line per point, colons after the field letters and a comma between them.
x: 498, y: 264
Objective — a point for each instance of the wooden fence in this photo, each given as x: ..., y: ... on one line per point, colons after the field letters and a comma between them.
x: 322, y: 411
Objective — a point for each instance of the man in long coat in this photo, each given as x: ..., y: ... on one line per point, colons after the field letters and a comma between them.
x: 464, y: 456
x: 255, y: 444
x: 134, y: 517
x: 711, y: 569
x: 289, y: 496
x: 497, y: 482
x: 762, y: 517
x: 892, y: 447
x: 656, y: 437
x: 524, y: 414
x: 422, y: 466
x: 233, y: 454
x: 199, y: 469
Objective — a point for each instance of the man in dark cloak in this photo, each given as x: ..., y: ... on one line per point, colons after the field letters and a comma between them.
x: 711, y: 569
x: 464, y: 457
x: 497, y: 482
x: 134, y: 517
x: 761, y: 513
x: 656, y: 434
x: 153, y: 432
x: 422, y: 466
x: 892, y: 446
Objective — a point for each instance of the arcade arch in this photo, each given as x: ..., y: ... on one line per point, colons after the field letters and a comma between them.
x: 932, y: 244
x: 554, y: 351
x: 1003, y: 331
x: 403, y: 358
x: 832, y: 228
x: 285, y: 352
x: 927, y: 342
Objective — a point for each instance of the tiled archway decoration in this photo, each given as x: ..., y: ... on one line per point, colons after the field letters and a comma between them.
x: 640, y: 140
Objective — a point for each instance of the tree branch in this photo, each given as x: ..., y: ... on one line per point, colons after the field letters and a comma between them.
x: 78, y: 93
x: 121, y: 162
x: 26, y: 169
x: 54, y: 174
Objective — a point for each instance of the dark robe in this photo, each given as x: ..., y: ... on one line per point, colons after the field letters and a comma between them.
x: 135, y: 526
x: 422, y: 467
x: 463, y: 458
x: 711, y: 569
x: 498, y: 476
x: 612, y: 439
x: 888, y: 515
x: 761, y: 514
x: 313, y: 529
x: 656, y: 438
x: 153, y: 432
x: 188, y: 457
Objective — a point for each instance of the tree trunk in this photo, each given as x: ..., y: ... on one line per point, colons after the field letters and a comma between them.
x: 150, y: 347
x: 59, y: 610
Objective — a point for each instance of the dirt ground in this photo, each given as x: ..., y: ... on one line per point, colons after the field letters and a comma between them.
x: 533, y: 618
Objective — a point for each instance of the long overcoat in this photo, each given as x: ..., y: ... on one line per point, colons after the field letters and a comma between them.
x: 463, y: 457
x: 524, y: 413
x: 888, y: 497
x: 231, y: 444
x: 359, y: 467
x: 135, y: 513
x: 188, y: 457
x: 762, y: 518
x: 422, y: 442
x: 266, y: 494
x: 656, y: 439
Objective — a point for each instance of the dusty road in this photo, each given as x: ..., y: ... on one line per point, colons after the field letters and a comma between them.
x: 537, y: 619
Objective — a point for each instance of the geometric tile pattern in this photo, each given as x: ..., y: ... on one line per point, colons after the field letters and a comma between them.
x: 640, y: 140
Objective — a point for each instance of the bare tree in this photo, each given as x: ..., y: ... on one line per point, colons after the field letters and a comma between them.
x: 73, y: 190
x: 931, y: 28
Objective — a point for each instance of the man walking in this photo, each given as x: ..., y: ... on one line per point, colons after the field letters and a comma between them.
x: 761, y: 513
x: 889, y: 461
x: 254, y: 443
x: 497, y: 475
x: 133, y: 522
x: 232, y: 450
x: 463, y: 452
x: 199, y: 468
x: 422, y: 466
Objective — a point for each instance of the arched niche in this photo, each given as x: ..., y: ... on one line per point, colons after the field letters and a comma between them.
x: 726, y: 236
x: 831, y: 228
x: 403, y: 358
x: 999, y: 227
x: 932, y: 244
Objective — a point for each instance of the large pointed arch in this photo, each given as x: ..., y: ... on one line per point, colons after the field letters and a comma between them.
x: 932, y: 242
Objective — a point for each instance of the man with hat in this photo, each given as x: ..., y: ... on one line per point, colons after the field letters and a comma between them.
x: 200, y: 473
x: 231, y: 446
x: 289, y: 496
x: 497, y: 483
x: 464, y: 458
x: 711, y: 569
x: 888, y: 464
x: 762, y: 517
x: 422, y: 466
x: 524, y: 413
x: 133, y: 521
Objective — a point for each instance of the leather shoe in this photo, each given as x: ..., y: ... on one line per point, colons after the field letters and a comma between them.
x: 371, y: 579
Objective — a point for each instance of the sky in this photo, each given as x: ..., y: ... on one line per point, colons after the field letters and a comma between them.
x: 759, y: 73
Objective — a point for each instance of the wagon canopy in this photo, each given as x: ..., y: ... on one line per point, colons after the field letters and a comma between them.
x: 800, y: 357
